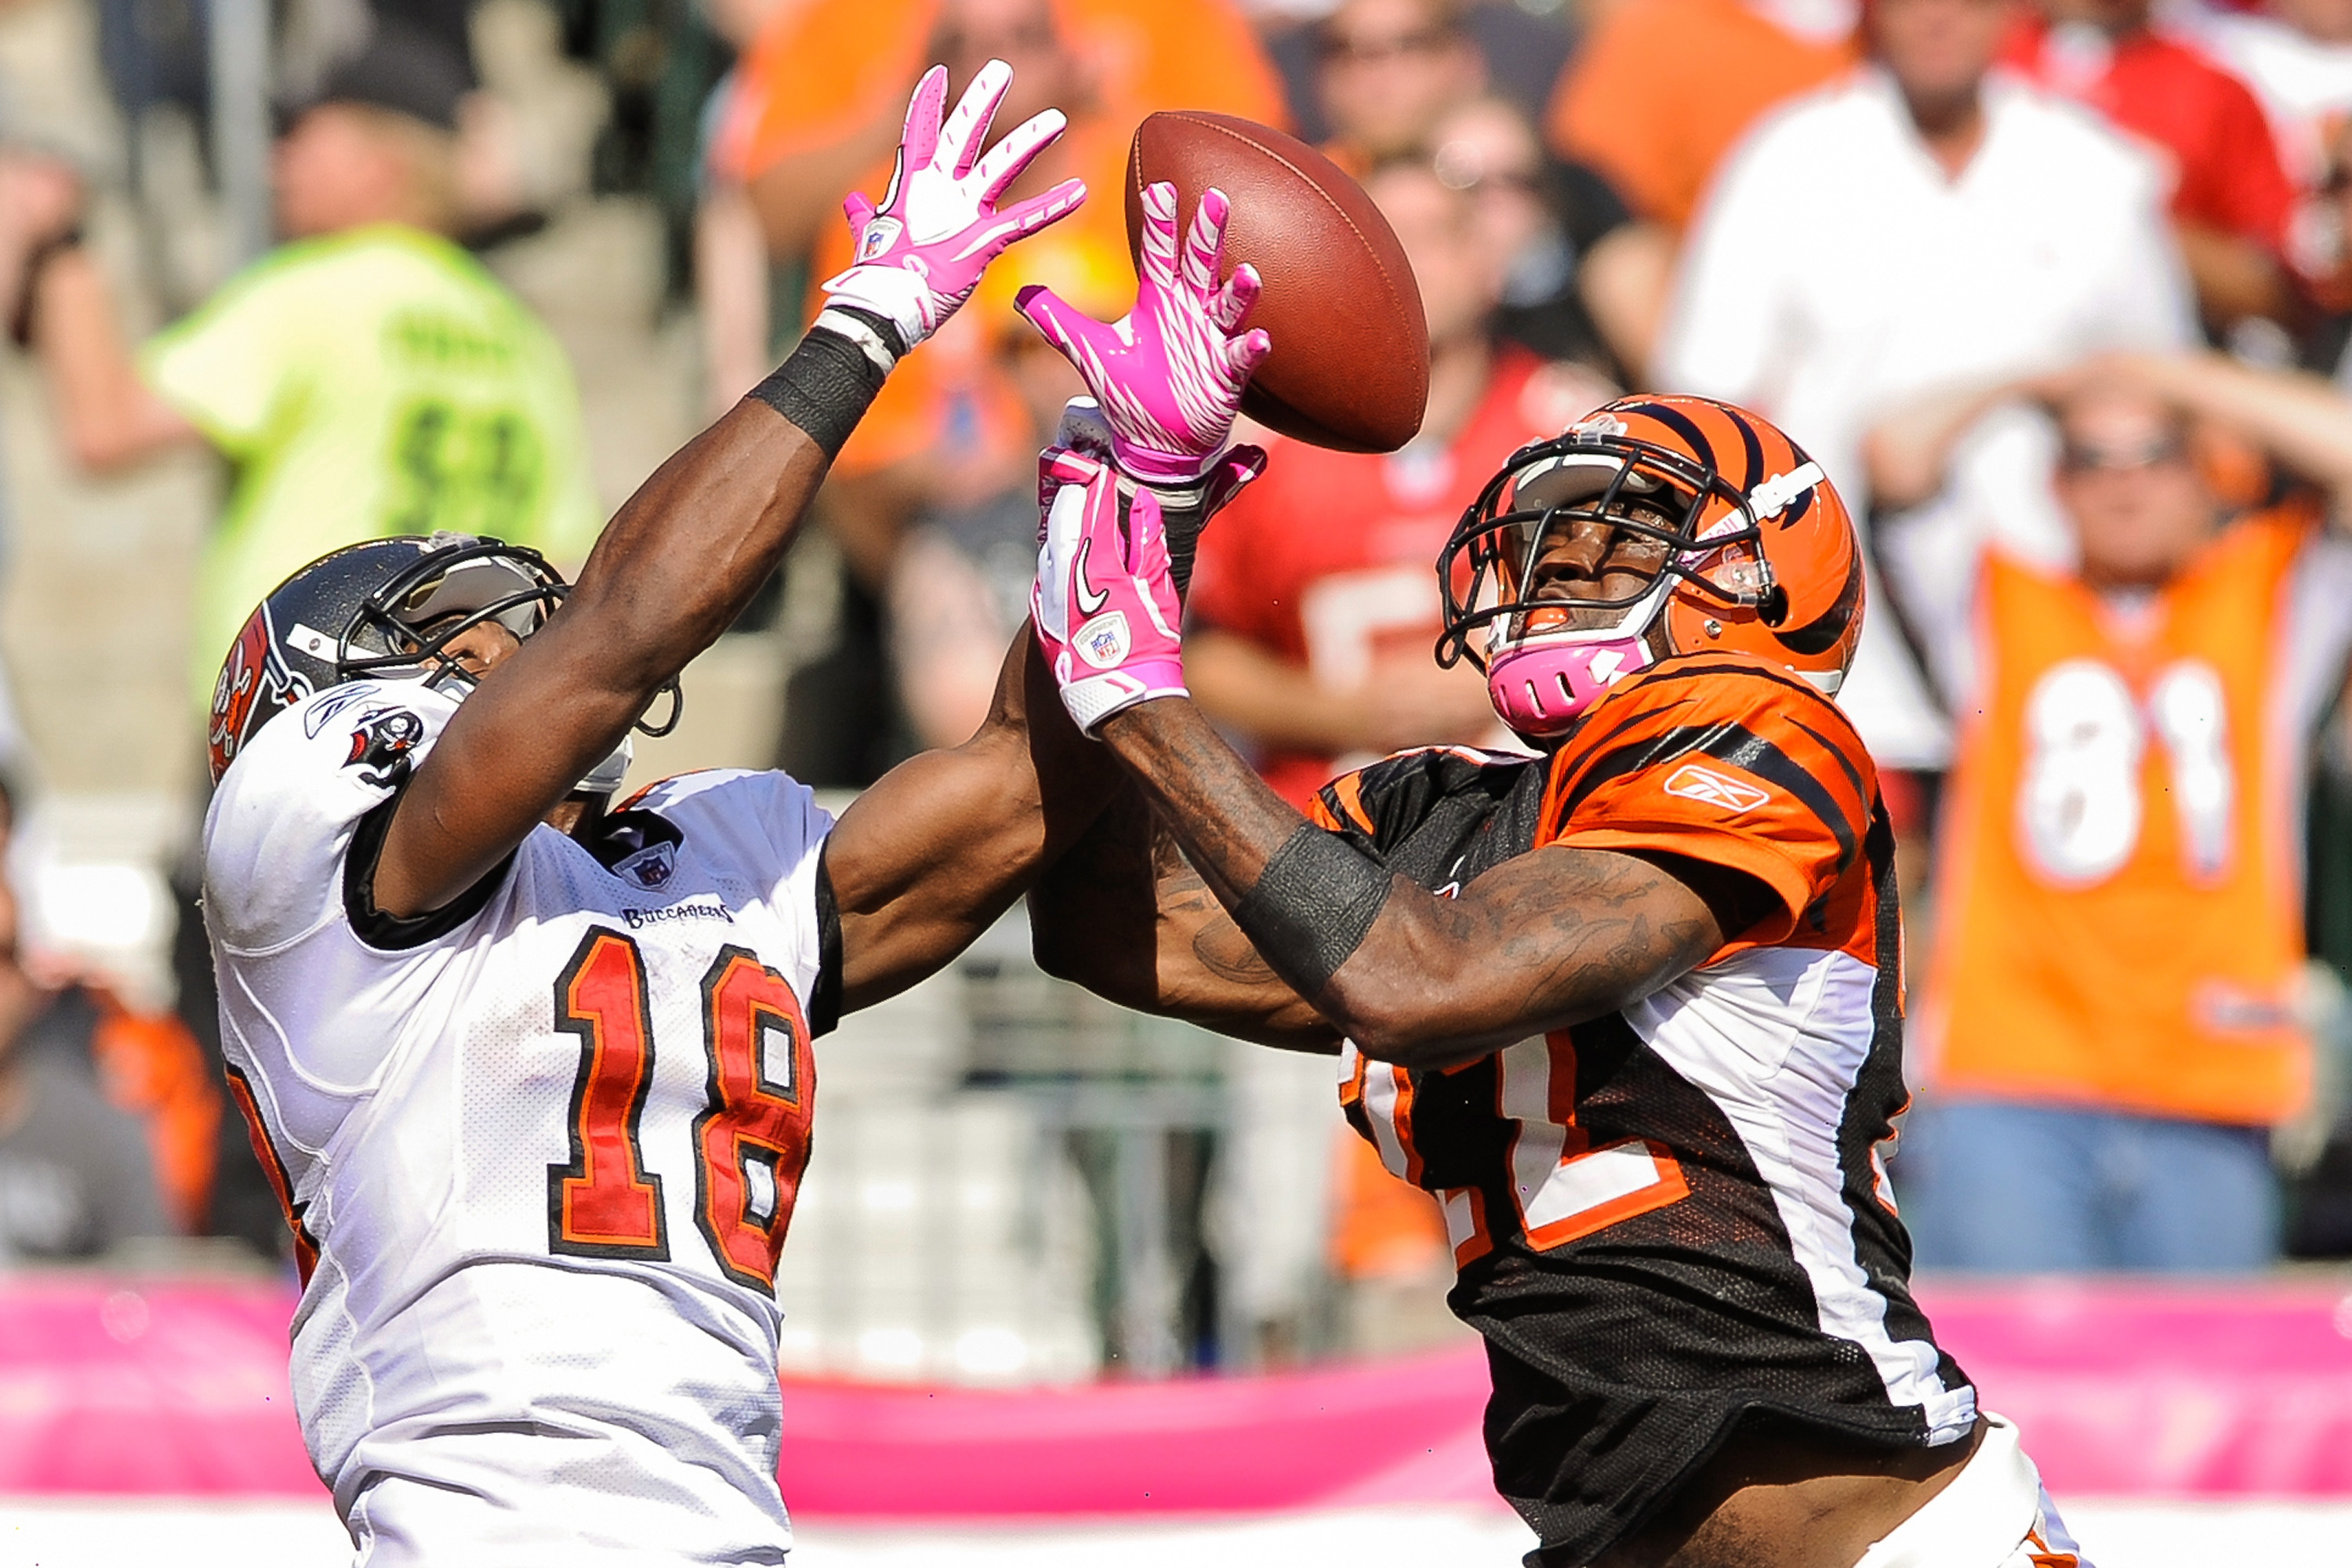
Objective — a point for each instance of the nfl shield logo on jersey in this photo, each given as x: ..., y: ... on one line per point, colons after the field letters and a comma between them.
x: 649, y: 868
x: 638, y: 846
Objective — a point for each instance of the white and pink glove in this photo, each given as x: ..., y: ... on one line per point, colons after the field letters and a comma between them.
x: 1169, y: 374
x: 921, y: 252
x: 1105, y: 605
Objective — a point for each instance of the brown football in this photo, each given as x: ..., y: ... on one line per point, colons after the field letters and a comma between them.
x: 1349, y: 367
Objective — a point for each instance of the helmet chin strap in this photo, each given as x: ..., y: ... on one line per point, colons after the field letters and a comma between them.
x: 1540, y: 687
x: 606, y: 776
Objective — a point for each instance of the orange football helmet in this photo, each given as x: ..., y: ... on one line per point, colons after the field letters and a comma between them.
x: 1752, y: 550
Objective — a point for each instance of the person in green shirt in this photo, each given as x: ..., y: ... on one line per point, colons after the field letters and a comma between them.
x: 366, y: 378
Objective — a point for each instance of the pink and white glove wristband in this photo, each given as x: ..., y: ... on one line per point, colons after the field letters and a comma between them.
x: 1185, y: 507
x: 1105, y: 604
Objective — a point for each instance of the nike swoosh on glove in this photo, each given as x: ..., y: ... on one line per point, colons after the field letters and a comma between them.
x: 1104, y: 604
x: 1168, y: 374
x: 921, y: 252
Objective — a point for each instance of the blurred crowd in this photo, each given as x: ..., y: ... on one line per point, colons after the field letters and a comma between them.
x: 2058, y: 292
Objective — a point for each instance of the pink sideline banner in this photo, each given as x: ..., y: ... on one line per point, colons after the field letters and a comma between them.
x: 161, y: 1387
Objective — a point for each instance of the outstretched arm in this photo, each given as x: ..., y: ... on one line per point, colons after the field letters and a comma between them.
x: 1124, y: 915
x: 687, y: 551
x: 946, y: 842
x: 1551, y: 937
x: 942, y: 845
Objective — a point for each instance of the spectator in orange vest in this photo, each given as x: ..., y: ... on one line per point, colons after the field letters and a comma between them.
x: 2110, y: 1028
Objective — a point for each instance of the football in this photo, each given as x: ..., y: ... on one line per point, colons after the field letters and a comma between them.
x: 1349, y: 368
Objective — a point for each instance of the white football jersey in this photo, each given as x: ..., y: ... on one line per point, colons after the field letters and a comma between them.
x: 539, y: 1149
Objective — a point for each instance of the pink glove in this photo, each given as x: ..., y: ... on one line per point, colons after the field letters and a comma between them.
x: 920, y: 254
x: 1169, y: 374
x: 1104, y: 605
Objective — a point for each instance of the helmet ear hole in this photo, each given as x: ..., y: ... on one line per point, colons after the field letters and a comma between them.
x: 1773, y: 608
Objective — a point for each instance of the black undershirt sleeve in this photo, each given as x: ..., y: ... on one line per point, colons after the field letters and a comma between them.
x: 824, y: 995
x: 398, y: 933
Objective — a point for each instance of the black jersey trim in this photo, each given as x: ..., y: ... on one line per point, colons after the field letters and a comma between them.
x: 1733, y: 743
x: 398, y: 933
x: 824, y: 995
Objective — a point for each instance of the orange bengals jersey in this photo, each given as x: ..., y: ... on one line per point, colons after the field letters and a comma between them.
x: 2120, y: 922
x: 1676, y: 1213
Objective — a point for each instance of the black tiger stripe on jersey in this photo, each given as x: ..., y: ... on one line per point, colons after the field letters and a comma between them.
x: 1733, y: 743
x: 1837, y: 752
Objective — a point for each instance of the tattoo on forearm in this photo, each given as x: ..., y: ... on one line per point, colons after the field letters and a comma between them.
x: 1184, y: 896
x: 1226, y: 954
x: 1587, y: 932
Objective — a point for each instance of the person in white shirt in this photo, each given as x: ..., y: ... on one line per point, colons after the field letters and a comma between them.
x: 1924, y: 220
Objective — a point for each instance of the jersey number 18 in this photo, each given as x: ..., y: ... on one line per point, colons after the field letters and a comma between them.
x: 750, y: 1141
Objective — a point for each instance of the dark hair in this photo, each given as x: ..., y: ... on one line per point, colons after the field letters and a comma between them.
x: 404, y: 69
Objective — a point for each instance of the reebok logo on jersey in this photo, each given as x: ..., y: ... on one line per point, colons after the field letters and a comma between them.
x: 1692, y: 782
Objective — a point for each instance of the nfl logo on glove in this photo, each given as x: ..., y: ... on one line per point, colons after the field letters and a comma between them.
x: 1103, y: 641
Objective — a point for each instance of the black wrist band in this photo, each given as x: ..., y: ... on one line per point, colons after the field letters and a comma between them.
x: 1313, y: 907
x: 827, y: 383
x: 1183, y: 512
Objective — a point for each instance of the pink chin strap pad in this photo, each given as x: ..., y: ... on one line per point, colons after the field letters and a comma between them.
x: 1539, y: 690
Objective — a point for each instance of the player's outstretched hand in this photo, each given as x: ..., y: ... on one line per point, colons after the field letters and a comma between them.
x: 1170, y: 376
x: 921, y: 252
x: 1105, y: 604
